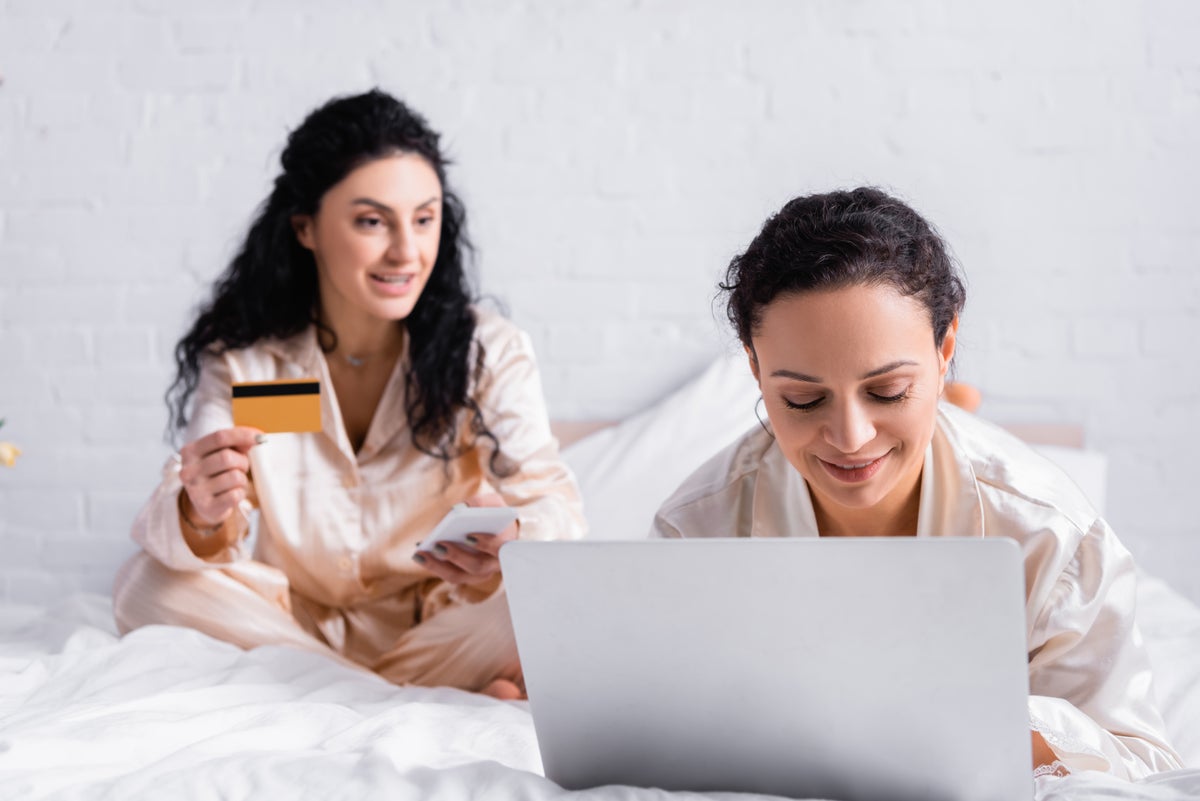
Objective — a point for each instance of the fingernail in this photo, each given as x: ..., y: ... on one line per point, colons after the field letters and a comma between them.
x: 441, y: 549
x: 471, y: 538
x: 260, y: 438
x: 419, y: 558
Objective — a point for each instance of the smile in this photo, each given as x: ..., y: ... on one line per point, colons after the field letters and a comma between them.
x: 394, y: 285
x: 399, y: 280
x: 856, y: 472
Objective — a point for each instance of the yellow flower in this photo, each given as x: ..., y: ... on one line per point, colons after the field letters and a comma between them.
x: 9, y: 454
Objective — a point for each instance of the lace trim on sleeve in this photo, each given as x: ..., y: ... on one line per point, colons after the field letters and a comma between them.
x: 1055, y: 768
x: 1062, y: 742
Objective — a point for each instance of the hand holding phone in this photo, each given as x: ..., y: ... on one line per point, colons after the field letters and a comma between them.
x: 463, y: 520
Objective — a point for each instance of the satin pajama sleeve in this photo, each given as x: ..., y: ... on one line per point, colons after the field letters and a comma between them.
x: 1091, y: 695
x: 157, y: 528
x: 542, y: 487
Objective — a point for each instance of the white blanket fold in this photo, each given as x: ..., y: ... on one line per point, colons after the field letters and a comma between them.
x: 171, y: 713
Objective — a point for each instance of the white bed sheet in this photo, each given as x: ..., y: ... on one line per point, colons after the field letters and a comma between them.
x: 170, y: 713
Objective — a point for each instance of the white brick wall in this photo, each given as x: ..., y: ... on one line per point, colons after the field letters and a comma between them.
x: 613, y: 155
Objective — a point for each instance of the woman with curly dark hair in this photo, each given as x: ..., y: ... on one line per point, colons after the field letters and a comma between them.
x: 353, y: 275
x: 847, y: 305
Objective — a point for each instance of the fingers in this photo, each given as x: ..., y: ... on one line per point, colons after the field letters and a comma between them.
x: 216, y: 484
x: 490, y: 544
x: 458, y: 565
x: 216, y: 508
x: 443, y: 570
x: 475, y: 562
x: 213, y: 507
x: 239, y: 438
x: 214, y: 470
x: 469, y: 560
x: 230, y: 480
x: 486, y: 499
x: 192, y: 471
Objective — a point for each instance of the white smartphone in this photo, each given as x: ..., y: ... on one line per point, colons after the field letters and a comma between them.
x: 462, y: 520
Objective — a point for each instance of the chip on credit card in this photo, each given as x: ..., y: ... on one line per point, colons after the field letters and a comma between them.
x: 275, y: 407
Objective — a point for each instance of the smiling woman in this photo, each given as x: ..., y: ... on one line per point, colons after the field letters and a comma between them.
x: 847, y: 305
x: 351, y: 280
x: 375, y: 241
x: 856, y: 428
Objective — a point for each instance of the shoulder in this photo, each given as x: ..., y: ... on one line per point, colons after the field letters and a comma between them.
x: 718, y: 493
x: 493, y: 328
x: 503, y: 367
x: 505, y: 348
x: 269, y: 358
x: 1070, y: 552
x: 1015, y: 482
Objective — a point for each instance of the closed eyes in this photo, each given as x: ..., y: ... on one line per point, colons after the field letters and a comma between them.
x: 813, y: 404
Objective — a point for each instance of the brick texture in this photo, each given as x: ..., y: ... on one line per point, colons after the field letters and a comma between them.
x: 614, y: 154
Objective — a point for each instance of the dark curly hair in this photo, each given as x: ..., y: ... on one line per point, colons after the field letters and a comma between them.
x: 841, y: 239
x: 270, y: 287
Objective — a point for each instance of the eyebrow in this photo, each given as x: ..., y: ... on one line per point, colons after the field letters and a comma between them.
x: 366, y: 201
x: 887, y: 368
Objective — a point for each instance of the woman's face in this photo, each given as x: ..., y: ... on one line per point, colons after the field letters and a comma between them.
x: 851, y: 378
x: 375, y: 237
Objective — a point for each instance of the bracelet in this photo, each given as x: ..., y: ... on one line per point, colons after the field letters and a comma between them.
x: 203, y: 531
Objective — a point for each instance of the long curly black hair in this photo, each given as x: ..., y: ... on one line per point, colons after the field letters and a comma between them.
x: 270, y: 288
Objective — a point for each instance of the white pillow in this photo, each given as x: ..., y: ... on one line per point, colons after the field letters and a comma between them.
x: 1088, y: 469
x: 1170, y: 625
x: 626, y: 471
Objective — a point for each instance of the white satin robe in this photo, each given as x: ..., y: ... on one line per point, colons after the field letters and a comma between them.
x: 337, y: 529
x: 1091, y: 694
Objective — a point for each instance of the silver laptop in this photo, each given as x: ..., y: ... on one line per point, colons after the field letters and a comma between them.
x: 853, y: 669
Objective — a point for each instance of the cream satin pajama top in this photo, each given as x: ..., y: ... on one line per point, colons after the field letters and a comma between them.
x: 337, y: 529
x: 1089, y: 676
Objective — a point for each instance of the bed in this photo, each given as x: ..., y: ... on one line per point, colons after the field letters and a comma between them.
x: 170, y: 713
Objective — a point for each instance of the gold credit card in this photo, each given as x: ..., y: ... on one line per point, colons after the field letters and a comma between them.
x: 278, y: 406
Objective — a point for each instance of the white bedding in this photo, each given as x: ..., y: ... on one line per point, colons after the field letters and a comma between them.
x: 169, y: 713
